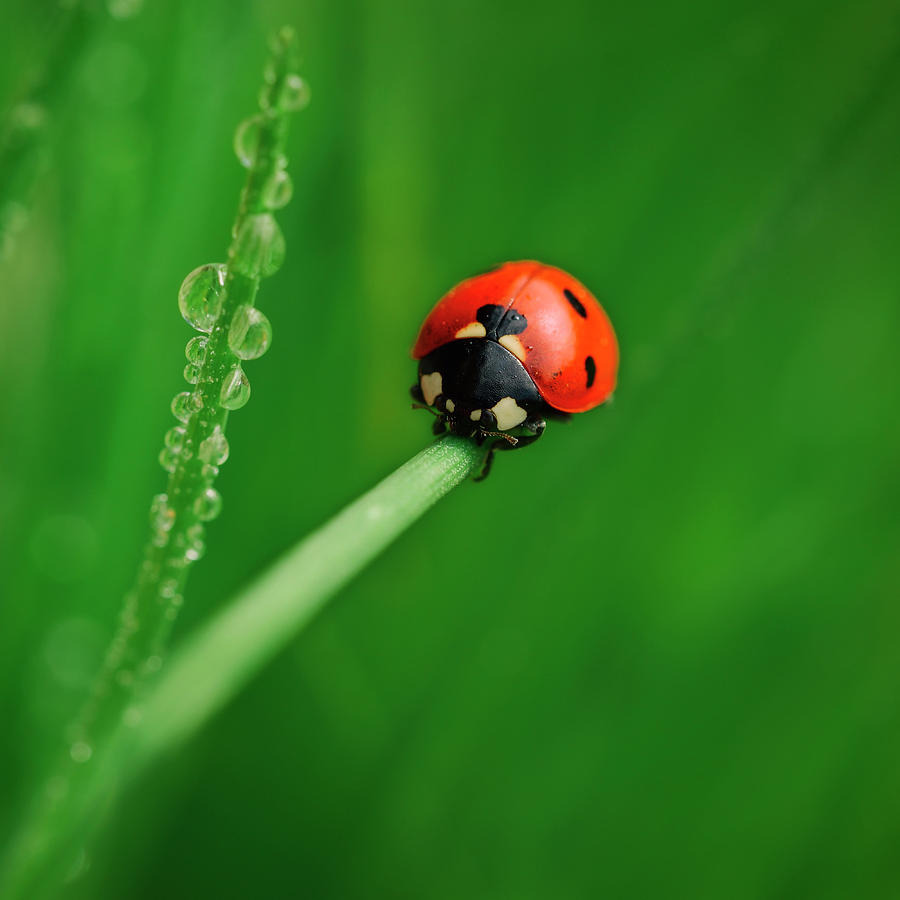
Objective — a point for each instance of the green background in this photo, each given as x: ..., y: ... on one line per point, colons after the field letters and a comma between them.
x: 657, y: 653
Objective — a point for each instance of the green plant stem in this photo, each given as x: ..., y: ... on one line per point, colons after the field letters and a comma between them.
x: 215, y: 663
x: 152, y: 605
x: 96, y: 753
x: 224, y: 654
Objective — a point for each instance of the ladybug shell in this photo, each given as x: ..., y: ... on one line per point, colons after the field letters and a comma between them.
x: 568, y: 346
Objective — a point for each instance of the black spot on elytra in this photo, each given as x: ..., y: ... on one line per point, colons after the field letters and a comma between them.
x: 591, y: 368
x: 498, y: 321
x: 576, y: 303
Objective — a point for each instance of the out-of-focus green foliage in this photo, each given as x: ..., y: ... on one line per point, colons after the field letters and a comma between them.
x: 655, y: 652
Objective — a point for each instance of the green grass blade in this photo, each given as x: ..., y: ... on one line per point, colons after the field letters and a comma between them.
x: 223, y: 655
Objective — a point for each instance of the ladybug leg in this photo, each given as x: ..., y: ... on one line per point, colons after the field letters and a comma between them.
x: 535, y: 426
x: 488, y: 461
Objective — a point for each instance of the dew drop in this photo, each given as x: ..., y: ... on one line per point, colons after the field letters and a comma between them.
x: 267, y: 91
x: 250, y: 333
x: 27, y: 117
x: 168, y: 459
x: 196, y: 543
x: 201, y: 294
x: 235, y: 389
x: 277, y: 191
x: 153, y: 664
x: 209, y: 472
x: 185, y: 404
x: 124, y: 9
x: 169, y: 588
x: 174, y: 438
x: 162, y: 516
x: 208, y: 505
x: 214, y: 449
x: 195, y: 350
x: 80, y: 752
x: 294, y: 93
x: 258, y: 246
x: 191, y: 373
x: 246, y: 140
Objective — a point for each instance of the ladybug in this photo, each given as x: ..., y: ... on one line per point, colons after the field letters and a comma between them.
x: 506, y: 350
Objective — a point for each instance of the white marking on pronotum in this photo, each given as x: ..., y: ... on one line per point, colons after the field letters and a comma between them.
x: 475, y: 415
x: 432, y: 385
x: 508, y: 413
x: 514, y: 345
x: 472, y: 330
x: 451, y: 406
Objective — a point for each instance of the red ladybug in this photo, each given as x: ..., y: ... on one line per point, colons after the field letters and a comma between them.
x: 504, y: 351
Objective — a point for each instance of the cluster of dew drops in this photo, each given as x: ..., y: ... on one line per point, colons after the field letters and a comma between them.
x: 258, y: 251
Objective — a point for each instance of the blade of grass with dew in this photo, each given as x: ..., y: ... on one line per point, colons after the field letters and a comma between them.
x: 219, y: 302
x: 223, y: 655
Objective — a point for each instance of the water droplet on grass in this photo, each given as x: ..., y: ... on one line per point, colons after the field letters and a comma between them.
x: 168, y: 460
x: 214, y: 449
x: 294, y: 94
x: 174, y: 438
x: 124, y: 9
x: 195, y: 350
x: 208, y: 505
x: 80, y: 752
x: 185, y: 404
x: 246, y: 140
x: 258, y: 247
x: 250, y: 333
x: 235, y: 389
x: 162, y: 516
x: 201, y: 294
x: 277, y: 191
x: 153, y: 664
x: 191, y: 373
x: 196, y: 542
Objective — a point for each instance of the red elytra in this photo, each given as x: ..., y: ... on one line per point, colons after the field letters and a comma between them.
x: 570, y: 349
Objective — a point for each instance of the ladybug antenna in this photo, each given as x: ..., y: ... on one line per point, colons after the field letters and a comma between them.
x: 502, y: 434
x: 422, y: 406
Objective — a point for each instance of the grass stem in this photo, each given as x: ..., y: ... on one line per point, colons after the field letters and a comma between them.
x: 220, y: 658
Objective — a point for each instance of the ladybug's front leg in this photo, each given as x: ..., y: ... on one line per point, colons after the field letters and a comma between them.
x: 535, y: 426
